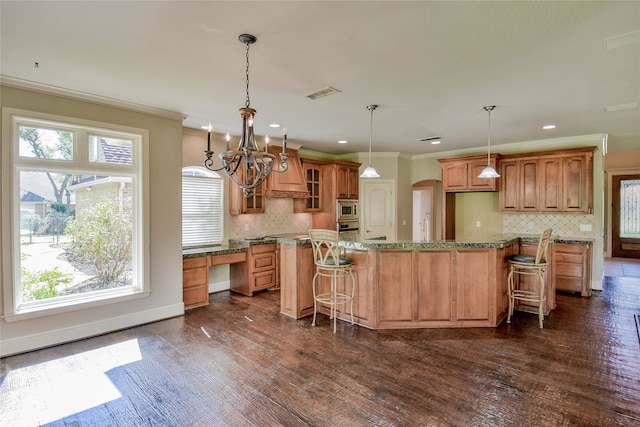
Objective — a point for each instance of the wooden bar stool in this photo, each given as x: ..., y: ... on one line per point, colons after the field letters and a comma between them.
x: 330, y: 263
x: 520, y: 264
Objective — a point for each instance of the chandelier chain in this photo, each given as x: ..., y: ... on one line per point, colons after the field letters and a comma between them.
x: 247, y: 102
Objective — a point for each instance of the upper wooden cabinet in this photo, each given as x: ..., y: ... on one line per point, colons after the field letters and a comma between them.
x: 347, y: 183
x: 239, y: 204
x: 519, y: 185
x: 460, y: 174
x: 551, y: 181
x: 314, y: 172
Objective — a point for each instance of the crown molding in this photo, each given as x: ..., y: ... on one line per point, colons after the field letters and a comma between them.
x: 88, y: 97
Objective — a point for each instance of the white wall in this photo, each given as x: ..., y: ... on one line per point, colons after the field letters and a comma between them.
x: 165, y: 251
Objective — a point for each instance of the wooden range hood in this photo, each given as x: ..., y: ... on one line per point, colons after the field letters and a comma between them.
x: 290, y: 184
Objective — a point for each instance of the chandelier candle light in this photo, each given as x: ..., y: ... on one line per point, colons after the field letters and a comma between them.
x: 489, y: 171
x: 247, y: 166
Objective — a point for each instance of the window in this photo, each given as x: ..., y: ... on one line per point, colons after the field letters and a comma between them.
x: 202, y: 214
x: 630, y: 208
x: 76, y: 203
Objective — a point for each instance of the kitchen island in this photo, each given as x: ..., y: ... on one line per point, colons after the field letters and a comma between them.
x: 405, y: 284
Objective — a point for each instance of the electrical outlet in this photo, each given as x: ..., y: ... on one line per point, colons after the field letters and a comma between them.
x: 246, y: 227
x: 478, y: 224
x: 585, y: 227
x: 404, y: 222
x: 530, y: 226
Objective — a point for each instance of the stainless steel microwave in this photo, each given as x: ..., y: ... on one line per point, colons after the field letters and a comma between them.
x: 347, y: 210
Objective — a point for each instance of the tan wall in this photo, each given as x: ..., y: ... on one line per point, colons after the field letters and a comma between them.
x: 165, y: 256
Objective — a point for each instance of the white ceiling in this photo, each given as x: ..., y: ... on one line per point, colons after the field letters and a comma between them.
x: 430, y: 66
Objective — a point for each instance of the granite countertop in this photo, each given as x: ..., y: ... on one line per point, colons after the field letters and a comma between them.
x: 497, y: 241
x: 212, y: 250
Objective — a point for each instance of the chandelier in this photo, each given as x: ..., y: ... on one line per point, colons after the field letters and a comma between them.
x: 247, y: 166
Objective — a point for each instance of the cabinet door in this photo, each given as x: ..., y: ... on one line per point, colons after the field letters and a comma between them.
x: 239, y: 204
x: 574, y: 178
x: 353, y: 182
x: 474, y: 169
x: 528, y: 183
x: 472, y: 284
x: 454, y: 176
x: 434, y: 285
x: 342, y: 182
x: 551, y: 184
x: 510, y: 186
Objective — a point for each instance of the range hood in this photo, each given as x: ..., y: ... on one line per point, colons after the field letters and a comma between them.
x: 290, y: 184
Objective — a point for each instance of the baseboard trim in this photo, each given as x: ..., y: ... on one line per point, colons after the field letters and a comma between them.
x: 50, y: 338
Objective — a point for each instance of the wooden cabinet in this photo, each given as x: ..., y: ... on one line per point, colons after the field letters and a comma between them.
x: 347, y: 180
x: 461, y: 174
x: 296, y: 276
x: 566, y: 183
x: 572, y: 268
x: 313, y: 175
x: 551, y: 181
x: 257, y: 273
x: 339, y: 179
x: 519, y: 185
x: 239, y: 204
x: 195, y: 282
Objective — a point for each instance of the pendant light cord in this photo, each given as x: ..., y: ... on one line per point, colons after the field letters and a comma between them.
x: 371, y: 108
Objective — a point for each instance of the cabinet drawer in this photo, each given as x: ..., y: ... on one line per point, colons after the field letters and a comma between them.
x: 194, y: 262
x: 569, y: 258
x: 264, y: 280
x: 228, y: 258
x: 569, y: 284
x: 195, y: 296
x: 569, y: 270
x: 194, y: 276
x: 264, y: 262
x: 260, y: 249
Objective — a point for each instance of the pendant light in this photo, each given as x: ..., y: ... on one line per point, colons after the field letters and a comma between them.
x: 489, y: 171
x: 370, y: 172
x: 247, y: 166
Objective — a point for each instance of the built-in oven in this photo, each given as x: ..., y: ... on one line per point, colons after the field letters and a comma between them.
x: 347, y: 210
x: 348, y: 231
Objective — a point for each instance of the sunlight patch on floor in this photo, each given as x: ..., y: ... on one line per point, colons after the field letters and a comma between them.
x: 49, y: 391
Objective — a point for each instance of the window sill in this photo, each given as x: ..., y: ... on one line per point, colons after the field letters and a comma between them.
x: 75, y: 304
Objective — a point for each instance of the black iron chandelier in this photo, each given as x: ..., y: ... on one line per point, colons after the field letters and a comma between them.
x: 247, y: 166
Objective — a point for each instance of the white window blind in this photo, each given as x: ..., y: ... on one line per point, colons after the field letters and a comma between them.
x: 202, y: 218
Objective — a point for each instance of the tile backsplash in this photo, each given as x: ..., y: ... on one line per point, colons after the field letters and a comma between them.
x: 277, y: 219
x: 564, y: 225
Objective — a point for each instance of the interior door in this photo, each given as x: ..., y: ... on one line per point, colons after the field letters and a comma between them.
x: 422, y: 214
x: 625, y: 233
x: 378, y: 213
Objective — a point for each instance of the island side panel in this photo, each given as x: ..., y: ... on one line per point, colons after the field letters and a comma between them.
x: 473, y: 285
x: 434, y: 293
x: 396, y: 288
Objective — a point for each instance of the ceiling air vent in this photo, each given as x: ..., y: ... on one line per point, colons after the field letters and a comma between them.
x: 323, y: 92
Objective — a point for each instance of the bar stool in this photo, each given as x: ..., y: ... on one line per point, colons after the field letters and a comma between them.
x: 330, y: 263
x: 520, y: 264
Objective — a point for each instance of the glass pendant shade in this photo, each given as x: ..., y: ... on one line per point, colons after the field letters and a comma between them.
x: 489, y: 172
x: 369, y: 172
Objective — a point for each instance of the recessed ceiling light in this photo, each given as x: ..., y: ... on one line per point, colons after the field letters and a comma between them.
x: 547, y: 127
x: 342, y: 141
x: 274, y: 125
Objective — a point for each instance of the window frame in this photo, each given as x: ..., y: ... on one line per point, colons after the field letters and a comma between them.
x: 13, y: 164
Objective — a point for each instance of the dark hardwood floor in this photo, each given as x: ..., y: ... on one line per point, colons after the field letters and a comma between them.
x: 239, y: 362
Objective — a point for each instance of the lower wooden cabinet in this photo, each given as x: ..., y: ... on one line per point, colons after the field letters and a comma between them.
x: 572, y: 268
x: 257, y: 273
x: 195, y: 282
